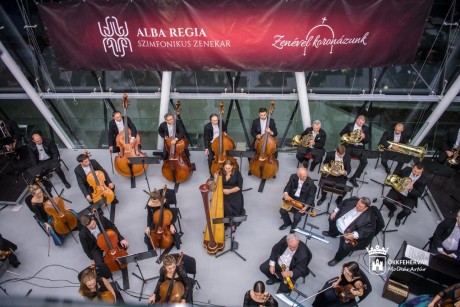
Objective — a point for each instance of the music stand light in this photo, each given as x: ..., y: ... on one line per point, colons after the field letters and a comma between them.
x: 232, y: 220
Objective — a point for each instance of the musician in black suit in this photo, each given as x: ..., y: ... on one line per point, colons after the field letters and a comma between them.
x: 315, y: 148
x: 301, y: 188
x: 409, y: 196
x: 354, y: 149
x: 259, y: 126
x: 210, y: 133
x: 450, y: 143
x: 339, y: 155
x: 398, y: 135
x: 12, y: 131
x: 291, y: 252
x: 8, y: 246
x: 116, y: 125
x: 43, y: 150
x: 355, y: 221
x: 166, y: 129
x: 81, y: 172
x: 445, y: 239
x: 88, y: 237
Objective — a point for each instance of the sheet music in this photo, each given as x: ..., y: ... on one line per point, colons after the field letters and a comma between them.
x: 417, y: 254
x: 286, y: 299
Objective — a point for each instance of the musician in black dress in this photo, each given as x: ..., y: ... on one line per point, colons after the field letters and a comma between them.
x: 116, y: 125
x: 258, y: 297
x: 92, y: 285
x: 8, y: 246
x: 210, y: 133
x: 398, y: 135
x: 315, y: 148
x: 166, y: 129
x: 450, y: 144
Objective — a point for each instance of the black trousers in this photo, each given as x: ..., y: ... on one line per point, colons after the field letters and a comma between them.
x: 210, y: 158
x: 57, y: 170
x: 355, y: 152
x: 344, y: 248
x: 384, y: 162
x: 297, y: 216
x: 317, y: 155
x: 407, y: 201
x: 265, y: 268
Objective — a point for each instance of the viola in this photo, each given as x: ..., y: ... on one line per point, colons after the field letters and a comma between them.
x: 264, y: 164
x: 172, y: 291
x: 287, y: 279
x: 344, y: 292
x: 96, y: 179
x: 292, y: 203
x: 108, y: 241
x: 161, y: 236
x: 4, y: 254
x: 63, y: 221
x: 353, y: 242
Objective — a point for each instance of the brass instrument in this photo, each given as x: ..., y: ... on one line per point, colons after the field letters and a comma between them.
x: 453, y: 159
x: 302, y: 140
x: 334, y: 168
x: 415, y: 151
x: 400, y: 184
x: 4, y: 130
x: 351, y: 137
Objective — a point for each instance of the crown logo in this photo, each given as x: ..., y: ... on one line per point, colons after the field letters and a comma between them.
x: 377, y: 250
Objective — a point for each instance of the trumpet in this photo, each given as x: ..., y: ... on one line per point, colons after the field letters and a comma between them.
x: 415, y: 151
x: 400, y: 184
x: 351, y: 137
x: 453, y: 160
x: 334, y: 168
x: 302, y: 140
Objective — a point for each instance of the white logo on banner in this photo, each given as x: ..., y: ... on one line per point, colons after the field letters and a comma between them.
x: 377, y: 260
x: 115, y: 36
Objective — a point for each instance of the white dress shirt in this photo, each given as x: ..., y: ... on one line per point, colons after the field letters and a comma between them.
x: 42, y: 156
x: 343, y: 222
x: 451, y: 242
x: 215, y: 132
x: 263, y: 125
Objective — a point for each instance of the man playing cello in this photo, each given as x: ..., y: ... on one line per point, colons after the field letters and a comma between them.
x: 115, y: 127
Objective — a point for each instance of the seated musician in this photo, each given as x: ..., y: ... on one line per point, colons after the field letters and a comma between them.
x: 354, y: 149
x: 353, y: 221
x: 396, y: 136
x: 9, y: 128
x: 166, y: 274
x: 210, y: 133
x: 7, y: 249
x: 166, y: 129
x: 446, y: 238
x: 43, y: 150
x: 317, y: 142
x: 351, y: 276
x: 116, y: 125
x: 450, y: 145
x: 338, y: 172
x: 291, y: 252
x: 408, y: 193
x: 96, y: 288
x: 89, y: 232
x: 300, y: 188
x: 258, y: 297
x: 153, y: 206
x: 81, y: 172
x: 35, y: 202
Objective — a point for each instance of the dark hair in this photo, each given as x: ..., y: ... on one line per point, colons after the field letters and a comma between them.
x: 259, y: 287
x: 353, y: 267
x: 38, y: 132
x: 82, y: 158
x: 340, y: 149
x: 167, y: 115
x: 419, y: 165
x: 115, y: 112
x: 155, y: 194
x: 85, y: 220
x: 262, y: 110
x: 212, y: 115
x: 366, y: 201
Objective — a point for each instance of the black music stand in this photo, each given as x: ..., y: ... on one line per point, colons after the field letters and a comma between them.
x: 334, y: 188
x: 370, y: 154
x: 232, y: 220
x: 135, y: 258
x: 241, y: 153
x: 397, y: 203
x: 143, y: 161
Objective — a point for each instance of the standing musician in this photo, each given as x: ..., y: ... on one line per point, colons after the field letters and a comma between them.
x: 396, y: 136
x: 409, y: 192
x: 446, y: 238
x: 96, y: 288
x: 89, y: 232
x: 35, y: 202
x: 166, y: 129
x: 154, y: 205
x: 343, y: 163
x: 292, y: 253
x: 115, y: 127
x: 166, y: 274
x: 9, y: 247
x: 210, y: 133
x: 354, y: 149
x: 300, y: 188
x: 43, y: 150
x: 317, y: 142
x: 258, y: 297
x: 450, y: 145
x: 82, y: 170
x: 9, y: 128
x: 353, y: 221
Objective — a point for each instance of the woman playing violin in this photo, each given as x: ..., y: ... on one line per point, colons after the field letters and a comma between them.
x: 95, y: 288
x: 258, y: 297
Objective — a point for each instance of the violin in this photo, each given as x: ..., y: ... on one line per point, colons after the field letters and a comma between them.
x: 344, y: 292
x: 353, y: 242
x: 264, y: 164
x: 108, y: 241
x: 4, y: 254
x: 292, y: 203
x: 448, y: 302
x: 220, y: 146
x: 63, y: 220
x: 171, y: 291
x: 103, y: 296
x: 161, y: 236
x: 96, y: 179
x: 287, y: 279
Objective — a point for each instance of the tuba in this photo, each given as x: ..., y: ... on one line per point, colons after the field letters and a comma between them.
x: 415, y: 151
x: 400, y: 184
x: 333, y: 168
x: 453, y: 159
x: 351, y: 137
x: 302, y: 140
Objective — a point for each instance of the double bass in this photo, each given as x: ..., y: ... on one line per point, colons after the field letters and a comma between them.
x: 108, y: 241
x: 161, y: 236
x: 177, y: 167
x: 96, y: 179
x: 220, y: 146
x: 171, y: 291
x: 128, y: 149
x: 63, y: 220
x: 264, y: 164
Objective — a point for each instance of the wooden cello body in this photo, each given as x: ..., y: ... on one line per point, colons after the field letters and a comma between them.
x: 171, y: 291
x: 264, y: 164
x: 161, y: 236
x: 96, y: 179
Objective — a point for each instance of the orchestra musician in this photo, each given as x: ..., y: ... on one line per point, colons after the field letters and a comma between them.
x: 450, y: 143
x: 409, y: 196
x: 354, y: 149
x: 89, y: 232
x: 339, y: 155
x: 446, y: 238
x: 166, y: 129
x: 210, y: 133
x: 318, y: 141
x: 92, y: 286
x: 81, y: 172
x: 116, y: 126
x: 291, y: 252
x: 353, y: 221
x: 8, y: 246
x: 301, y: 188
x: 397, y: 136
x: 43, y: 150
x: 12, y: 131
x: 258, y: 297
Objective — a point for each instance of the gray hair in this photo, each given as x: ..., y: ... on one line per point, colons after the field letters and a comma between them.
x: 366, y: 201
x: 292, y: 236
x: 316, y: 122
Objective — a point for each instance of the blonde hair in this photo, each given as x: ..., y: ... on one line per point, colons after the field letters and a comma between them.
x: 87, y: 275
x: 168, y: 260
x: 32, y: 188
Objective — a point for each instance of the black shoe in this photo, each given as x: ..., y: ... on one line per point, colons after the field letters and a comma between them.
x: 333, y: 262
x: 67, y: 185
x: 274, y: 177
x: 312, y: 168
x: 338, y: 201
x: 391, y: 214
x: 327, y: 234
x: 249, y: 173
x: 286, y: 293
x: 387, y: 170
x: 320, y: 202
x: 353, y: 181
x: 115, y: 201
x: 16, y: 264
x: 284, y: 226
x: 397, y: 222
x: 305, y: 164
x: 270, y: 281
x: 291, y: 231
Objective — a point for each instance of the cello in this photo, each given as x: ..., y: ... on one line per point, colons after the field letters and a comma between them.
x: 63, y: 220
x: 161, y: 236
x: 108, y: 241
x: 177, y: 167
x: 96, y: 179
x: 264, y: 164
x: 172, y: 291
x: 220, y: 146
x: 128, y: 149
x: 102, y: 296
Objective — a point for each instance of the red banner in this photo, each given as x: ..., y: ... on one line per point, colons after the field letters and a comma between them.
x: 270, y: 35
